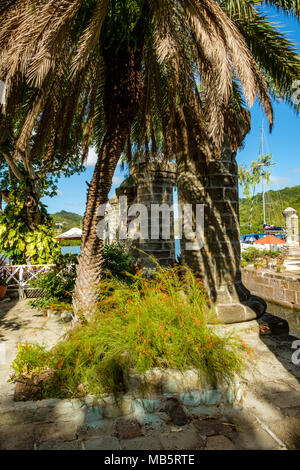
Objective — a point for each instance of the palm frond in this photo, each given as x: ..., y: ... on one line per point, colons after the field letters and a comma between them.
x: 90, y: 37
x: 290, y: 7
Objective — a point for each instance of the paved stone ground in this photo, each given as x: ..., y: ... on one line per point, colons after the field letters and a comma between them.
x: 269, y: 417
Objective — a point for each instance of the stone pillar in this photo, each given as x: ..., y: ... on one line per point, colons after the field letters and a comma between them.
x: 292, y: 250
x: 112, y: 218
x: 215, y: 185
x: 292, y: 226
x: 154, y: 182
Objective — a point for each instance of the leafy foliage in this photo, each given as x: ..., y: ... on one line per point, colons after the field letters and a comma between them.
x: 256, y: 173
x: 117, y: 261
x: 18, y: 242
x: 151, y: 323
x: 253, y: 254
x: 57, y: 283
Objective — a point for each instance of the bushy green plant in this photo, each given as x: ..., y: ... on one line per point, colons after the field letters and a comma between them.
x: 258, y: 265
x: 57, y: 283
x: 18, y: 241
x: 51, y: 303
x: 252, y: 254
x: 161, y: 322
x: 117, y: 261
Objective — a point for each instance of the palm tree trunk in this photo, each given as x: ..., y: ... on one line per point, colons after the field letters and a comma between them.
x: 214, y: 184
x: 122, y: 95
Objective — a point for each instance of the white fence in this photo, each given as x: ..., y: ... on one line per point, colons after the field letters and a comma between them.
x: 19, y: 276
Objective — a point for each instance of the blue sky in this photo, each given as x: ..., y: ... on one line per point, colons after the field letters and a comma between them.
x: 283, y: 143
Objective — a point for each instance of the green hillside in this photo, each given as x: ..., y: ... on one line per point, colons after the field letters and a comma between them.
x: 276, y: 202
x: 67, y: 219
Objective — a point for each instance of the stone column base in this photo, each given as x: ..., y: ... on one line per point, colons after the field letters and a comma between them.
x: 292, y: 261
x: 250, y: 309
x: 234, y: 304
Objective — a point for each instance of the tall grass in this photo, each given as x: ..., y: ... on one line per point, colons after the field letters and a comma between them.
x: 159, y: 322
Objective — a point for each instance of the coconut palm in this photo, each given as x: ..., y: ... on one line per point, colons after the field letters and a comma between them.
x: 98, y: 49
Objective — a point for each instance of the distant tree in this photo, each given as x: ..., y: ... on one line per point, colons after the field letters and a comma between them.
x: 256, y: 174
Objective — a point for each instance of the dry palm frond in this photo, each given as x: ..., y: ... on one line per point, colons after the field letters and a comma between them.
x: 34, y: 38
x: 90, y: 37
x: 223, y: 49
x: 165, y: 43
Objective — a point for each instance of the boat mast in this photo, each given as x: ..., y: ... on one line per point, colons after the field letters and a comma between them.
x: 263, y: 184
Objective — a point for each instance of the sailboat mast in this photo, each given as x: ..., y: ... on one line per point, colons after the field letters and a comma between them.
x: 263, y: 183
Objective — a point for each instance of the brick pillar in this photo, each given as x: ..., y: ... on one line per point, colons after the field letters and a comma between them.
x: 154, y: 184
x: 215, y: 185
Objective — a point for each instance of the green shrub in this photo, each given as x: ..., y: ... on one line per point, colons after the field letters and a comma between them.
x: 117, y: 261
x: 18, y: 241
x: 160, y: 322
x: 252, y: 254
x: 57, y: 284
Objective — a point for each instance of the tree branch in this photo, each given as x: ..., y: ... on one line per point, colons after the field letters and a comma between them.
x: 12, y: 165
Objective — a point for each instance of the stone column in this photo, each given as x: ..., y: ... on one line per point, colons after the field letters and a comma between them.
x: 215, y: 185
x: 292, y: 226
x: 292, y: 249
x: 112, y: 219
x: 154, y: 182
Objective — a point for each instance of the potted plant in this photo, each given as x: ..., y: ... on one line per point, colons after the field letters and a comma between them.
x: 3, y: 286
x: 258, y: 266
x: 280, y: 268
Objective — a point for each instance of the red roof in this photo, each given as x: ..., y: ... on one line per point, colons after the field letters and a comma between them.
x: 270, y: 240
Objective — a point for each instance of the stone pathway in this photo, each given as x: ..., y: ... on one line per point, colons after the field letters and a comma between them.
x: 269, y: 417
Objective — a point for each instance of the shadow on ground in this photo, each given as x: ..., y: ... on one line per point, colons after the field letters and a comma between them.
x: 10, y: 323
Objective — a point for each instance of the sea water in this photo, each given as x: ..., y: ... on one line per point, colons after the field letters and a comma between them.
x: 75, y: 250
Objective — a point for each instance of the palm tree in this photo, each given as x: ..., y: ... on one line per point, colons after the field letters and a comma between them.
x: 204, y: 177
x: 98, y: 49
x: 214, y: 183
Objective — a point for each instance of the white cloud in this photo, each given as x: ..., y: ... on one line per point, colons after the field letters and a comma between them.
x: 92, y: 157
x: 117, y: 180
x: 279, y: 180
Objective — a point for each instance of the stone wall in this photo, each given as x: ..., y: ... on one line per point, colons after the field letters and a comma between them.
x: 279, y: 288
x: 150, y: 183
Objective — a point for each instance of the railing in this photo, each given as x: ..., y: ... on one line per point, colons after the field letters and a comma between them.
x: 19, y: 276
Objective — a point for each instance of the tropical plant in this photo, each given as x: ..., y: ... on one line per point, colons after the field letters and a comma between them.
x: 198, y: 163
x: 37, y: 170
x: 276, y: 202
x: 219, y: 259
x: 18, y: 241
x: 96, y: 49
x: 118, y: 262
x: 150, y: 323
x: 58, y: 283
x: 252, y: 254
x: 258, y: 172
